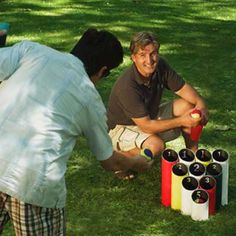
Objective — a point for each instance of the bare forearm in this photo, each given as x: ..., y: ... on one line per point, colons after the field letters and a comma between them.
x: 201, y: 104
x: 191, y: 95
x: 156, y: 126
x: 119, y: 162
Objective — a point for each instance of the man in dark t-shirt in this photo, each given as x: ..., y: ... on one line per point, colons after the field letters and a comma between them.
x: 136, y: 117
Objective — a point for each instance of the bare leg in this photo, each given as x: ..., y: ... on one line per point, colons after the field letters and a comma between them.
x: 180, y: 106
x: 153, y: 143
x: 188, y: 142
x: 131, y: 153
x: 127, y: 175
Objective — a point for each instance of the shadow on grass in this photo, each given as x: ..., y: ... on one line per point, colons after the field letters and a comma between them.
x: 99, y: 204
x: 198, y: 39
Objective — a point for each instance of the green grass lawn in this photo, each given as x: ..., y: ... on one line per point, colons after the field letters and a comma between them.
x: 198, y: 39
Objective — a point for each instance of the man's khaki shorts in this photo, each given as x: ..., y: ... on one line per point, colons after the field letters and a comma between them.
x: 126, y: 138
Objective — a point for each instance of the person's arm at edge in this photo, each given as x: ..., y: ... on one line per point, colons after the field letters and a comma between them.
x: 150, y: 126
x: 119, y: 162
x: 188, y: 93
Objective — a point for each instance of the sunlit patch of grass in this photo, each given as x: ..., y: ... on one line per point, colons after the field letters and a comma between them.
x: 198, y: 39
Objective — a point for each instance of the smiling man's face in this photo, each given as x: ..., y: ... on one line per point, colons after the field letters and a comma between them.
x: 146, y: 59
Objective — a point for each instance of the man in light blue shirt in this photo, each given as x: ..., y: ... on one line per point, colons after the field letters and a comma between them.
x: 47, y: 100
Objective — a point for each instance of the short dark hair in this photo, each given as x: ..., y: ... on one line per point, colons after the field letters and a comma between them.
x: 141, y: 40
x: 97, y: 49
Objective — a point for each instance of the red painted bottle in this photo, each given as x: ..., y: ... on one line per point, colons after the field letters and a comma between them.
x: 197, y: 130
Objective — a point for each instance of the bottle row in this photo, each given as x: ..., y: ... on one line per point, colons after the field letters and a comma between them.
x: 192, y: 181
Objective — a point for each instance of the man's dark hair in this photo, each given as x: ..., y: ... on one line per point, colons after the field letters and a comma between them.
x: 97, y: 49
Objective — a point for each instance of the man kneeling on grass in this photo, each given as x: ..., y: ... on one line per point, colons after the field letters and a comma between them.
x: 136, y: 117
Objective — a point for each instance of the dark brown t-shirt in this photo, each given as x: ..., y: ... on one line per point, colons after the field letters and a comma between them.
x: 132, y: 98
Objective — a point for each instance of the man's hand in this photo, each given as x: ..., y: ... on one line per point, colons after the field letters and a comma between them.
x: 118, y: 162
x: 188, y: 121
x: 141, y: 165
x: 192, y: 96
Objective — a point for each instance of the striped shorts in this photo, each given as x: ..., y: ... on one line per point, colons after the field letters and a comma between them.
x: 29, y: 220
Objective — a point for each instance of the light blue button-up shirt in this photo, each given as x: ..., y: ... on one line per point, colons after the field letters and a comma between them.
x: 46, y: 102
